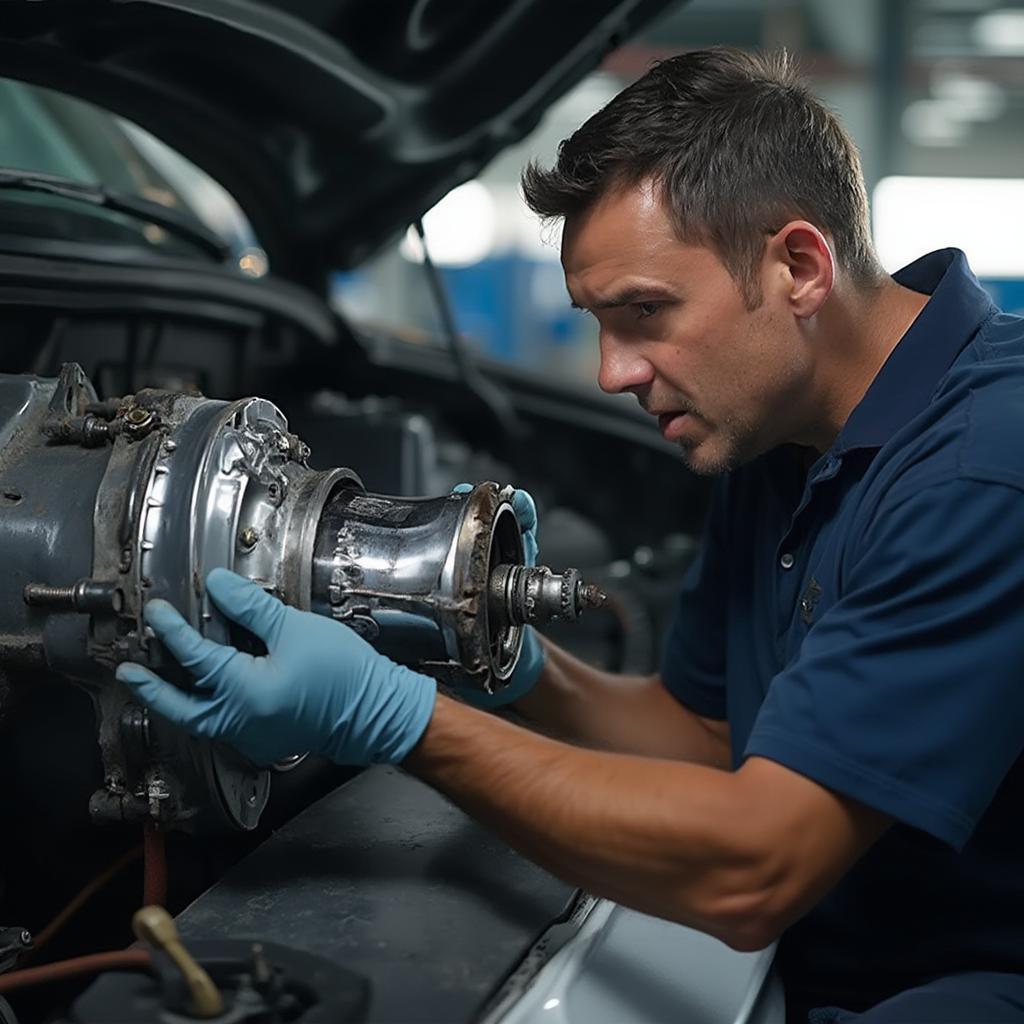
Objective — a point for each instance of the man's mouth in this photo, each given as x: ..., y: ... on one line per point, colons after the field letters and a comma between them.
x: 673, y: 424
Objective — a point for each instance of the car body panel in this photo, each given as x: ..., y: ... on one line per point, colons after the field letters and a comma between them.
x: 334, y: 124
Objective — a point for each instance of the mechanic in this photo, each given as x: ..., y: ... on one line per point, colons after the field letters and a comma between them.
x: 830, y: 752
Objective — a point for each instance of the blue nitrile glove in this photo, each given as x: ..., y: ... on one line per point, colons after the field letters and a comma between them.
x: 531, y: 658
x: 319, y: 688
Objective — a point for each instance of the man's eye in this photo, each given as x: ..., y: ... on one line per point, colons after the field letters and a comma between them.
x: 646, y: 309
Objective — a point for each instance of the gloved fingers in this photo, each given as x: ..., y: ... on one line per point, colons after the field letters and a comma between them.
x: 522, y: 504
x: 202, y: 657
x: 525, y: 509
x: 526, y: 516
x: 247, y: 603
x: 164, y: 698
x: 531, y: 662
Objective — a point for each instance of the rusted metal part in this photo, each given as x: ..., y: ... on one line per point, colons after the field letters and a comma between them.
x: 535, y: 595
x: 177, y: 485
x: 94, y: 597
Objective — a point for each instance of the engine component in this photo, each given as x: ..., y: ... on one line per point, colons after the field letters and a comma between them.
x: 533, y: 595
x: 107, y: 505
x: 153, y: 926
x: 410, y: 575
x: 255, y: 982
x: 14, y: 943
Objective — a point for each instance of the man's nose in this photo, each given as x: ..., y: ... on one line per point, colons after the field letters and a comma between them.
x: 623, y: 367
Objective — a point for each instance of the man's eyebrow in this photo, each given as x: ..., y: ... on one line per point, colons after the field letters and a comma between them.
x: 634, y: 293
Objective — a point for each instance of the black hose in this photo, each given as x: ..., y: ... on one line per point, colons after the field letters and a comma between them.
x: 493, y: 399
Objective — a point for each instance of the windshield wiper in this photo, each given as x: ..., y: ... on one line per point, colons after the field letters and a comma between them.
x: 95, y: 195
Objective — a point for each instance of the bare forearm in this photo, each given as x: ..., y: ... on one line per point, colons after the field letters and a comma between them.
x: 627, y: 714
x: 662, y: 836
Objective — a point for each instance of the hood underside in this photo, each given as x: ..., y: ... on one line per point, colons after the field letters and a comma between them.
x: 334, y: 123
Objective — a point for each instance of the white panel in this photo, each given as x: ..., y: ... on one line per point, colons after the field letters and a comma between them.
x: 982, y: 216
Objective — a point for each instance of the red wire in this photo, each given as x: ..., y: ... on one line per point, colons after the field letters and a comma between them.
x: 154, y: 871
x: 123, y: 959
x: 40, y: 938
x: 154, y: 887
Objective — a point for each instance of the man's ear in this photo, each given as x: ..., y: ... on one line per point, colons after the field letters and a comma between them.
x: 803, y: 256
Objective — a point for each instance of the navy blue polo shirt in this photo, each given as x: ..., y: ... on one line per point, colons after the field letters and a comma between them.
x: 862, y: 623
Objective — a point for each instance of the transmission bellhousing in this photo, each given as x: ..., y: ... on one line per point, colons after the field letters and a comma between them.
x: 107, y: 505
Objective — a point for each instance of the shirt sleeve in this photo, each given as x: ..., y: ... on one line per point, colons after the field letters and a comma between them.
x: 908, y: 694
x: 693, y: 662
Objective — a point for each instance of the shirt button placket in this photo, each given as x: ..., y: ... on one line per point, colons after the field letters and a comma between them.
x: 784, y: 597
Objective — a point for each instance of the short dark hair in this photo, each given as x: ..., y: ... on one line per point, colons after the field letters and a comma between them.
x: 739, y: 146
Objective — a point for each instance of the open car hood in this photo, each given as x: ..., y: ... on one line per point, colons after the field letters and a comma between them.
x: 334, y: 123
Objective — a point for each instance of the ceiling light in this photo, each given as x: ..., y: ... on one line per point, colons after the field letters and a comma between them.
x: 969, y: 97
x: 1000, y: 31
x: 933, y: 123
x: 460, y: 228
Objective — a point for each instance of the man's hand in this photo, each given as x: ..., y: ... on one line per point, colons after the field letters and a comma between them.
x: 320, y: 687
x: 531, y: 658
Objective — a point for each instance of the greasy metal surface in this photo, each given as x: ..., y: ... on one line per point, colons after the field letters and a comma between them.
x: 536, y: 595
x: 297, y: 568
x: 193, y: 483
x: 178, y: 485
x: 45, y: 525
x: 175, y: 485
x: 388, y: 879
x: 410, y: 575
x: 70, y: 513
x: 489, y: 535
x: 173, y: 555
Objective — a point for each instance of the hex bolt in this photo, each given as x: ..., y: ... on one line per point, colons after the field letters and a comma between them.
x: 42, y: 595
x: 89, y: 431
x: 294, y: 447
x: 156, y: 793
x: 114, y: 783
x: 95, y: 432
x: 91, y: 596
x: 138, y: 417
x: 138, y: 422
x: 248, y: 538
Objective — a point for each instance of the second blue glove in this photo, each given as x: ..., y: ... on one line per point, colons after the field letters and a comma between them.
x: 531, y: 658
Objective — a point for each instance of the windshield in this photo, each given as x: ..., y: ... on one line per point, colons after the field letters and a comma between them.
x: 42, y: 131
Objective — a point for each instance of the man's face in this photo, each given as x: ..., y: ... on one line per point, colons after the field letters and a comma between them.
x: 724, y: 381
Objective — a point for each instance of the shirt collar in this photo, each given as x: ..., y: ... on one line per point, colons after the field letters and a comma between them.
x: 907, y: 380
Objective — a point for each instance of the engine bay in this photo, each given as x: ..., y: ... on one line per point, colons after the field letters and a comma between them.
x: 120, y: 478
